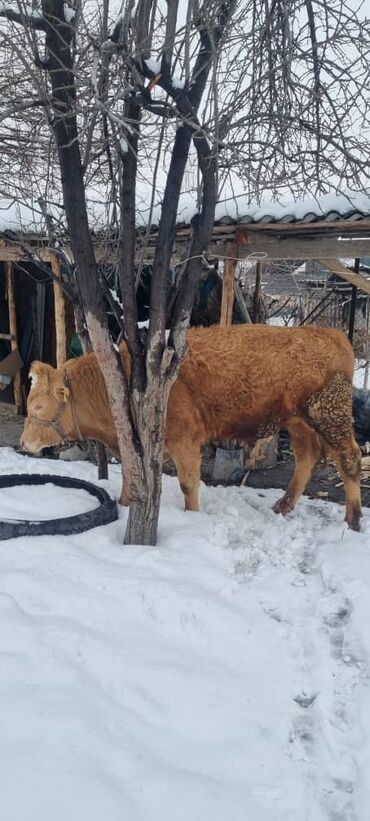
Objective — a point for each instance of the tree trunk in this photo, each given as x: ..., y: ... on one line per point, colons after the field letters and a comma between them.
x: 142, y: 523
x: 150, y: 409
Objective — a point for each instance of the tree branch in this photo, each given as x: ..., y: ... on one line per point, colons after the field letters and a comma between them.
x: 30, y: 19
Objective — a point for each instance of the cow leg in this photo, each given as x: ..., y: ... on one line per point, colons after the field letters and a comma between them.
x: 307, y: 452
x: 330, y: 413
x: 187, y: 463
x: 348, y: 462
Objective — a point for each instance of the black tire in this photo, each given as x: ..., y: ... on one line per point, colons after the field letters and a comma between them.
x: 105, y: 512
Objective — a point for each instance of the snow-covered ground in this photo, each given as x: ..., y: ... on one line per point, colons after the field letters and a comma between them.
x: 359, y: 376
x: 220, y: 676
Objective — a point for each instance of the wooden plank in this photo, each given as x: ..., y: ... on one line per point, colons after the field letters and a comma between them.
x: 337, y: 267
x: 30, y: 252
x: 60, y: 315
x: 286, y: 247
x: 17, y: 385
x: 228, y: 284
x: 312, y: 247
x: 10, y: 254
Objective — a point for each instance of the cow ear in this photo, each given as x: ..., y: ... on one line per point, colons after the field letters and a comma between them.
x: 61, y: 391
x: 39, y: 372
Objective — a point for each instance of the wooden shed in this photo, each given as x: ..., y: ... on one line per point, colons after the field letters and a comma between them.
x: 34, y: 313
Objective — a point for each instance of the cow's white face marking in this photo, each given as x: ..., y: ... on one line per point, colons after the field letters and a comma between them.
x: 33, y: 378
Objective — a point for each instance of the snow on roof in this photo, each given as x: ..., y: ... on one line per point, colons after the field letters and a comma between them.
x: 17, y: 216
x: 349, y: 205
x: 329, y: 207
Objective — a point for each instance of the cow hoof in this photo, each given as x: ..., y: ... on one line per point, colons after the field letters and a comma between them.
x: 353, y: 517
x: 354, y: 524
x: 283, y: 505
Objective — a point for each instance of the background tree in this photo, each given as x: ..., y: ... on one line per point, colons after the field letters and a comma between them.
x: 110, y: 112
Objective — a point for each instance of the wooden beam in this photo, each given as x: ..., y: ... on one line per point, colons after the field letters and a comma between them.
x: 60, y: 315
x: 276, y: 240
x: 30, y: 252
x: 267, y: 246
x: 228, y: 284
x: 17, y: 385
x: 356, y: 279
x: 11, y: 252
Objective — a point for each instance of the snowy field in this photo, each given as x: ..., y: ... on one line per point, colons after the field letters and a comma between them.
x: 220, y: 676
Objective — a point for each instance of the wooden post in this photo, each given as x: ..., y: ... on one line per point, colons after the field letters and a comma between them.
x: 60, y: 317
x: 101, y: 458
x: 228, y: 284
x: 17, y: 385
x: 257, y: 295
x: 352, y: 315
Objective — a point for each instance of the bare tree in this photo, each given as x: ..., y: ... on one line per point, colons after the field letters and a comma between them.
x: 188, y: 96
x: 138, y: 415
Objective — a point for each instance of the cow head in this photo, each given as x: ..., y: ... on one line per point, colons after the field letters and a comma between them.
x: 47, y: 402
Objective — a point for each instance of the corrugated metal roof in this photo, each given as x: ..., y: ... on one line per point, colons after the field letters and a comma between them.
x: 287, y: 219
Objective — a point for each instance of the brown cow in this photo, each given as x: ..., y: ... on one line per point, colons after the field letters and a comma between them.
x: 238, y: 383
